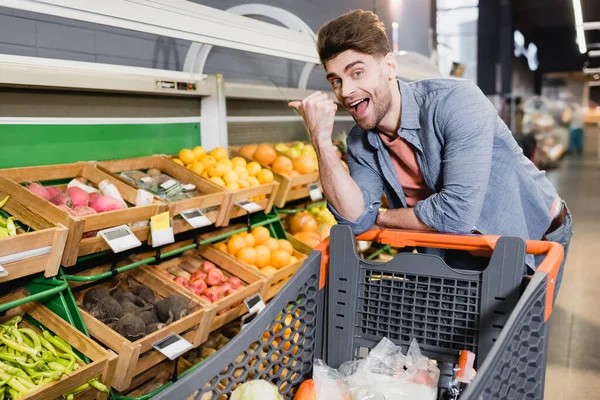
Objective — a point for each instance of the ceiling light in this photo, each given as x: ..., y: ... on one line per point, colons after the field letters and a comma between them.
x: 579, y: 26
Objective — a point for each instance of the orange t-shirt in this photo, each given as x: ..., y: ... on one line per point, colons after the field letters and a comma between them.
x: 405, y: 161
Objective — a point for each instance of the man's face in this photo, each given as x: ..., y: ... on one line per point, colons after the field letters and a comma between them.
x: 361, y: 84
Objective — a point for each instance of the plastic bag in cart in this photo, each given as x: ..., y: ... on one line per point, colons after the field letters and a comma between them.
x: 385, y: 373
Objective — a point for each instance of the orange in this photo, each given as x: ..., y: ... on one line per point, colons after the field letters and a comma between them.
x: 261, y: 234
x: 199, y: 152
x: 218, y: 181
x: 248, y: 150
x: 217, y: 170
x: 272, y: 244
x: 243, y: 184
x: 222, y: 246
x: 238, y: 162
x: 253, y: 181
x: 283, y: 165
x: 208, y: 161
x: 240, y: 170
x: 265, y: 154
x: 286, y: 246
x: 230, y: 177
x: 178, y: 161
x: 268, y: 270
x: 250, y: 240
x: 205, y: 174
x: 280, y: 259
x: 306, y: 391
x: 198, y: 167
x: 189, y: 166
x: 293, y: 260
x: 233, y: 186
x: 305, y: 164
x: 187, y: 156
x: 235, y: 243
x: 263, y: 253
x: 265, y: 176
x: 219, y: 153
x: 247, y: 255
x: 253, y: 168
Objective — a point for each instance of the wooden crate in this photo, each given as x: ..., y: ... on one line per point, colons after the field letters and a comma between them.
x: 276, y: 281
x: 137, y: 357
x: 268, y: 189
x: 232, y: 306
x: 146, y: 382
x: 214, y: 199
x: 102, y: 362
x: 47, y: 237
x: 76, y: 244
x: 290, y: 188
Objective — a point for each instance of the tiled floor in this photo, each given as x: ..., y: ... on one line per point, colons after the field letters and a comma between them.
x: 573, y: 369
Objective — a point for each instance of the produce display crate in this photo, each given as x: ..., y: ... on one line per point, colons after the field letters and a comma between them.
x: 290, y: 188
x: 76, y: 244
x: 143, y: 385
x: 275, y: 282
x: 29, y: 252
x: 335, y: 314
x: 214, y: 201
x: 102, y: 363
x: 268, y: 189
x: 137, y: 357
x: 232, y: 306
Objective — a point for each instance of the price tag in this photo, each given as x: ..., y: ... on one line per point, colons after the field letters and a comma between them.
x: 3, y: 272
x: 166, y: 185
x: 254, y: 304
x: 195, y: 218
x: 249, y: 206
x: 315, y: 192
x: 188, y: 187
x: 120, y: 238
x: 173, y: 346
x: 162, y: 231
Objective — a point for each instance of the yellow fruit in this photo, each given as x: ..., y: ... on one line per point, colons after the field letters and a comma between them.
x: 268, y: 270
x: 178, y: 161
x: 235, y: 244
x: 253, y: 181
x: 248, y: 150
x: 263, y: 255
x: 253, y: 168
x: 293, y: 260
x: 247, y: 255
x: 280, y: 259
x: 199, y: 152
x: 189, y: 166
x: 198, y: 167
x: 227, y: 162
x: 222, y: 247
x: 231, y: 177
x: 187, y: 156
x: 265, y: 176
x: 265, y: 154
x: 205, y: 174
x: 217, y: 170
x: 286, y: 246
x: 250, y: 240
x: 261, y: 235
x: 238, y: 162
x: 233, y: 186
x: 219, y: 153
x: 272, y: 244
x: 243, y: 184
x: 241, y: 171
x: 208, y: 161
x: 218, y: 181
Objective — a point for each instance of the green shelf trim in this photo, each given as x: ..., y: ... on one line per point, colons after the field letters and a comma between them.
x: 297, y: 210
x: 59, y: 286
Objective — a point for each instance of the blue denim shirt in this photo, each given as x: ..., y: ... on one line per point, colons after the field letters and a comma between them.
x: 480, y: 178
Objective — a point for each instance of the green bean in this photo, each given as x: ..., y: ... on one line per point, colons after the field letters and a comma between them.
x: 17, y: 372
x: 3, y: 202
x: 16, y: 334
x: 12, y: 382
x: 10, y: 225
x: 57, y: 366
x: 25, y: 382
x: 48, y: 346
x: 95, y: 383
x: 27, y: 340
x: 61, y: 340
x: 16, y: 346
x: 12, y: 358
x: 14, y: 394
x: 17, y: 319
x: 37, y: 345
x: 59, y: 345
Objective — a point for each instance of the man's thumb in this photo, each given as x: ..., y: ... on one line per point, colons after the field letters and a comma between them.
x: 296, y: 104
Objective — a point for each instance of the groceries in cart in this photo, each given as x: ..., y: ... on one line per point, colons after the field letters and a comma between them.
x: 386, y: 373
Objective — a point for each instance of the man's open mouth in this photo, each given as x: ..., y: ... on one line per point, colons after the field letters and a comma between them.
x: 360, y: 106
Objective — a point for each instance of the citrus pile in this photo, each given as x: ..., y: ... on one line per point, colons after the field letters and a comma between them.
x: 232, y: 174
x: 258, y: 249
x: 292, y: 164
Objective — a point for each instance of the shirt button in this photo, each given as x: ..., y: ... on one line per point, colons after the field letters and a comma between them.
x: 370, y: 207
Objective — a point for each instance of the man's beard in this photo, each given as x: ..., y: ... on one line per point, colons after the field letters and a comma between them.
x: 380, y: 107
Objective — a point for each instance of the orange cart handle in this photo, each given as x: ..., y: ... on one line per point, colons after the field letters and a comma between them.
x: 553, y: 252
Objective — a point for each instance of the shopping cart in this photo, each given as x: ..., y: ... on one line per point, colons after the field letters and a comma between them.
x: 334, y: 314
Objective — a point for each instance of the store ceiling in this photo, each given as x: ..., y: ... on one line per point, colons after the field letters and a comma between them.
x: 550, y: 24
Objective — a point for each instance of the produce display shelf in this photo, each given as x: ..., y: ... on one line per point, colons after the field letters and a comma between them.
x: 297, y: 210
x: 58, y: 286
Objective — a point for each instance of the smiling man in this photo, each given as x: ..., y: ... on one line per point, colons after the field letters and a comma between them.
x: 437, y: 148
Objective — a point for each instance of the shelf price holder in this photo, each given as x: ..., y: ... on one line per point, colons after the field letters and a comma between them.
x: 162, y: 229
x: 196, y: 218
x: 120, y: 238
x: 315, y: 192
x: 255, y: 305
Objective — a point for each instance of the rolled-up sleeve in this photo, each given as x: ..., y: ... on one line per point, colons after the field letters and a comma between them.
x: 467, y: 122
x: 371, y: 186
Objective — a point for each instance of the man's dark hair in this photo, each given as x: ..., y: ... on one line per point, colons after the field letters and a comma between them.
x: 357, y: 30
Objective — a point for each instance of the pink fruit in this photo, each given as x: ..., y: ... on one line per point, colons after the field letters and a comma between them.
x: 181, y: 281
x: 66, y: 209
x: 207, y: 266
x: 214, y: 294
x: 80, y: 197
x: 64, y: 199
x: 198, y: 275
x: 105, y: 203
x: 39, y: 190
x: 205, y: 298
x: 53, y: 191
x: 94, y: 196
x: 215, y: 277
x: 82, y: 211
x: 226, y: 289
x: 235, y: 282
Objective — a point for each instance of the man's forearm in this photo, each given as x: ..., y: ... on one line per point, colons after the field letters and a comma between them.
x: 401, y: 218
x: 340, y: 189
